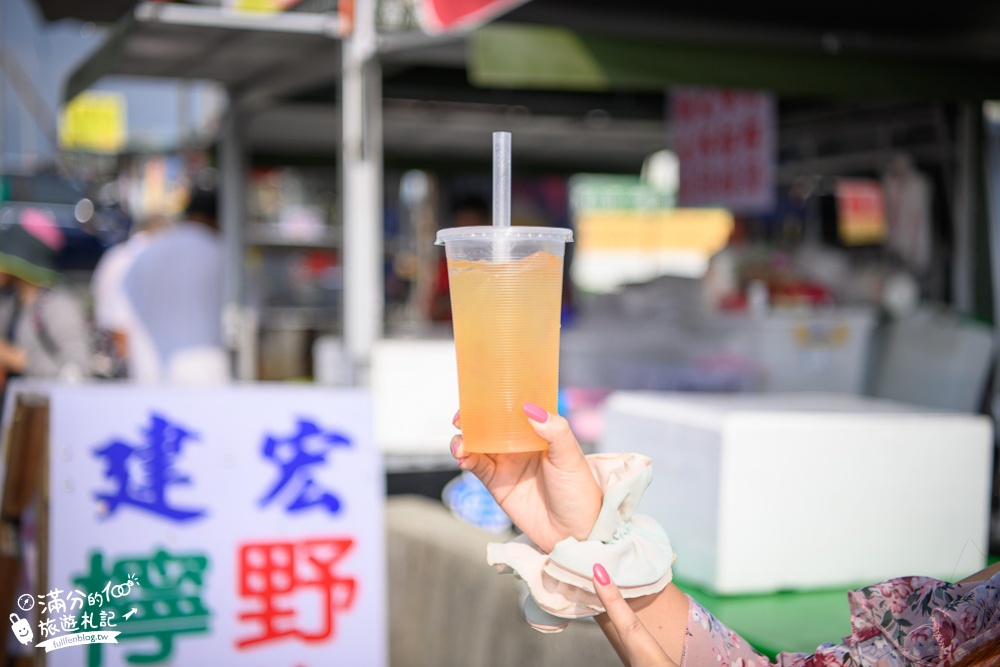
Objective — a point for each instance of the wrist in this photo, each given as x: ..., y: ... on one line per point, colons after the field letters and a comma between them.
x: 579, y: 530
x: 633, y: 547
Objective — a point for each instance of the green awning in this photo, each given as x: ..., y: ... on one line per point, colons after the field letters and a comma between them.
x: 507, y: 55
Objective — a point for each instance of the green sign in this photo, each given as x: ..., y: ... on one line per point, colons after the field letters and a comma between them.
x: 609, y: 192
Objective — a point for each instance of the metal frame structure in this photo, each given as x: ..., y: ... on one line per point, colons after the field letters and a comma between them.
x: 265, y: 59
x: 237, y: 50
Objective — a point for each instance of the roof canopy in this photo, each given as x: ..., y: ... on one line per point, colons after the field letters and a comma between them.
x: 586, y: 77
x: 269, y: 54
x: 534, y: 56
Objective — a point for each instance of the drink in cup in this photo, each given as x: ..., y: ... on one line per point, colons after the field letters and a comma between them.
x: 506, y: 302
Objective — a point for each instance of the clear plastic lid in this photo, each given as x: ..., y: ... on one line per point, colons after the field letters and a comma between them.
x: 513, y: 233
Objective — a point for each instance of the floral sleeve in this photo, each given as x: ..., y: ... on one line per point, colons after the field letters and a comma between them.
x: 898, y: 623
x: 709, y: 642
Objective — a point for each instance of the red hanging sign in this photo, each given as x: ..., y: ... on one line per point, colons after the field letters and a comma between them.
x: 440, y: 16
x: 725, y: 142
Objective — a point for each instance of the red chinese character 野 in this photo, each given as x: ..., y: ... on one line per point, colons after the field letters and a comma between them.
x: 275, y: 573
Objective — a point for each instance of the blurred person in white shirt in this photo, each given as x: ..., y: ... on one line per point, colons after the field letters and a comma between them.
x: 174, y: 287
x: 112, y: 310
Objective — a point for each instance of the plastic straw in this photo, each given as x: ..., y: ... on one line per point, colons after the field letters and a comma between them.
x: 501, y: 179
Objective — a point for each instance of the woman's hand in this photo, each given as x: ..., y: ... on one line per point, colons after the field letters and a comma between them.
x: 548, y: 495
x: 639, y: 646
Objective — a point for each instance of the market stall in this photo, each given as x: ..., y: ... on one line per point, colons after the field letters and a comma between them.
x: 575, y: 56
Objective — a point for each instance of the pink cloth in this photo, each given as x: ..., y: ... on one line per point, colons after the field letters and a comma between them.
x: 901, y: 622
x: 43, y: 227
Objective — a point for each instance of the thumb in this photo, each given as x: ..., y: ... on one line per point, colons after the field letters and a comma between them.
x: 555, y: 430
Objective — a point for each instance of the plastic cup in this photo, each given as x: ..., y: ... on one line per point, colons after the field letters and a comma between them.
x: 506, y: 303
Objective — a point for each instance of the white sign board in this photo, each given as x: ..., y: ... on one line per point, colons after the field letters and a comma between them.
x: 213, y: 526
x: 725, y: 140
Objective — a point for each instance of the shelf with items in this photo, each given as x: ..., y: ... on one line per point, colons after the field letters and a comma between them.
x: 297, y: 280
x: 294, y: 318
x: 293, y: 206
x: 292, y: 263
x: 293, y: 237
x: 280, y: 235
x: 297, y: 300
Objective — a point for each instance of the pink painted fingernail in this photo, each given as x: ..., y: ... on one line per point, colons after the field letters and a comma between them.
x: 536, y: 413
x: 454, y: 447
x: 455, y: 418
x: 601, y: 575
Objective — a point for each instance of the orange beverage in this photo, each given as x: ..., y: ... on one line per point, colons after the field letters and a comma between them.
x: 506, y: 296
x: 506, y: 318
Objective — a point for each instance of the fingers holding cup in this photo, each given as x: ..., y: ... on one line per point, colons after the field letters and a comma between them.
x: 479, y: 465
x: 555, y: 430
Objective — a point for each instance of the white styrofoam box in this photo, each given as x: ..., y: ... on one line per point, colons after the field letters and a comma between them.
x: 414, y: 385
x: 766, y: 492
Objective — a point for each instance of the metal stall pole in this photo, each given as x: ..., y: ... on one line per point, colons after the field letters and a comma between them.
x: 361, y: 192
x: 232, y: 205
x: 964, y: 209
x: 990, y: 117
